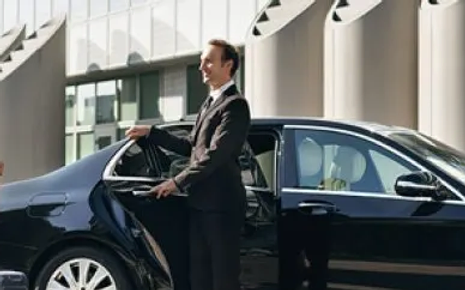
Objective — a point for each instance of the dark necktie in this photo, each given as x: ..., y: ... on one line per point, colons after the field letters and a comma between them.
x: 206, y: 105
x: 208, y: 102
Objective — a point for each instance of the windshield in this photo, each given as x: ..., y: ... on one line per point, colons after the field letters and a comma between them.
x: 443, y: 156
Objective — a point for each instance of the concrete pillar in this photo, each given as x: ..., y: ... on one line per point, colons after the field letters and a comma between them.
x: 284, y: 59
x: 32, y: 108
x: 442, y: 71
x: 11, y: 40
x: 371, y: 61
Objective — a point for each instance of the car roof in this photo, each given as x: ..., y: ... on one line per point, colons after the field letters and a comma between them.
x: 357, y: 125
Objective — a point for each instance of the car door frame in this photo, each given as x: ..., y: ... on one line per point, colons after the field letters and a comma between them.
x: 292, y: 196
x: 260, y: 263
x: 147, y: 248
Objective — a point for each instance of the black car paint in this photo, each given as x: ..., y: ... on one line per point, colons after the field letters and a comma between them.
x: 83, y: 218
x: 84, y: 208
x: 386, y: 242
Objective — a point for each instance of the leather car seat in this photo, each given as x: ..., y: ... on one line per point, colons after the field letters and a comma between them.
x: 348, y: 167
x: 310, y: 163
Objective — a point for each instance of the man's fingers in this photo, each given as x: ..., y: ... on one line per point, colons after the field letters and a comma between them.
x: 161, y: 190
x: 129, y: 133
x: 157, y: 191
x: 160, y: 193
x: 132, y: 134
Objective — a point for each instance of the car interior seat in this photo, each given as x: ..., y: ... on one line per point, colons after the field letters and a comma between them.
x: 347, y: 168
x: 310, y: 163
x: 266, y: 162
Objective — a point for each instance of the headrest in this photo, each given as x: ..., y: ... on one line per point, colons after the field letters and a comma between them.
x: 348, y: 164
x: 310, y: 156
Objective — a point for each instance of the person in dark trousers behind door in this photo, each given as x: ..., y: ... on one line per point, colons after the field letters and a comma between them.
x: 216, y: 194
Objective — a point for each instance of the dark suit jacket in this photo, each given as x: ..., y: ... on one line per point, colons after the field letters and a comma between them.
x: 213, y: 178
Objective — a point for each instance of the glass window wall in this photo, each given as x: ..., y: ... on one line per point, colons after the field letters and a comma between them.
x: 10, y: 17
x: 127, y: 98
x: 70, y: 103
x: 197, y: 91
x: 86, y: 144
x: 78, y: 11
x: 69, y: 148
x: 106, y: 99
x: 86, y: 104
x: 98, y: 7
x: 116, y: 5
x: 43, y: 12
x: 149, y: 95
x: 26, y: 14
x: 60, y: 6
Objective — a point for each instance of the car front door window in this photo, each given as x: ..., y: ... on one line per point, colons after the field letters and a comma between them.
x: 335, y: 161
x: 387, y: 169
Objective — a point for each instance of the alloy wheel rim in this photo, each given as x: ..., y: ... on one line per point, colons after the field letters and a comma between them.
x: 81, y: 274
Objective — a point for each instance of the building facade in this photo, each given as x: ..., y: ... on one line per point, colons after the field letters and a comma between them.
x: 136, y: 61
x: 131, y: 61
x: 395, y: 62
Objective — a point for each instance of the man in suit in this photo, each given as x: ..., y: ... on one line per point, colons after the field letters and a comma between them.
x: 216, y: 195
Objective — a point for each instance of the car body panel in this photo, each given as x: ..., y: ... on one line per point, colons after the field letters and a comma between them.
x: 380, y: 240
x: 376, y: 240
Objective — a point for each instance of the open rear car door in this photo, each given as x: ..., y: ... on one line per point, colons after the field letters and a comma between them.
x: 156, y: 228
x: 141, y: 165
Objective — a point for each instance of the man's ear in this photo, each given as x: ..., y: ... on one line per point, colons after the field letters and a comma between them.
x: 229, y: 64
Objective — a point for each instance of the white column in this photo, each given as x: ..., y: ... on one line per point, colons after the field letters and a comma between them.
x: 371, y: 61
x: 442, y: 71
x: 284, y: 60
x: 32, y: 105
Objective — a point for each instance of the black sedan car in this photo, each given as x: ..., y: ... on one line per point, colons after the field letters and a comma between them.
x: 361, y: 205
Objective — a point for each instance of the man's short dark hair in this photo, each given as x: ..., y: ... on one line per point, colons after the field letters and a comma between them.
x: 230, y: 52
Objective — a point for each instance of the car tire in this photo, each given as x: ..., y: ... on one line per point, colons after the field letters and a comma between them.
x: 76, y: 259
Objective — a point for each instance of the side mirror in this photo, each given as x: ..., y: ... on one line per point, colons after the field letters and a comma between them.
x: 418, y: 184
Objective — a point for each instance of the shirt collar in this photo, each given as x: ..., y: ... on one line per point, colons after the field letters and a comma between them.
x: 215, y: 94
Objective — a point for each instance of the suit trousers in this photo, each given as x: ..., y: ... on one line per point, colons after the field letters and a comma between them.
x: 215, y: 249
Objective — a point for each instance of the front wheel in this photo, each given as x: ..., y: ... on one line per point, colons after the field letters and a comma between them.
x: 83, y: 268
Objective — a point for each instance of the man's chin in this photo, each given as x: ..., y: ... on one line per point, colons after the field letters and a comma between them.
x: 206, y: 81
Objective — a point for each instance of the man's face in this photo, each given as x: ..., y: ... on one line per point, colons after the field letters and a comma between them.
x: 214, y: 72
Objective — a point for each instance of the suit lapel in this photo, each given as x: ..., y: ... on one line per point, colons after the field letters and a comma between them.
x: 231, y: 91
x: 201, y: 113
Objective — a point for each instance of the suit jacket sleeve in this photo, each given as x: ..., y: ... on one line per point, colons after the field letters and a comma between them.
x: 162, y: 138
x: 228, y: 138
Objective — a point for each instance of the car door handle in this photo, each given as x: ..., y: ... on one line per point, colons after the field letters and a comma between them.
x: 317, y: 208
x: 150, y: 193
x: 142, y: 192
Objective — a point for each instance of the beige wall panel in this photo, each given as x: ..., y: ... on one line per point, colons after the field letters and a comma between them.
x: 32, y: 120
x: 371, y: 61
x: 284, y: 64
x: 442, y: 71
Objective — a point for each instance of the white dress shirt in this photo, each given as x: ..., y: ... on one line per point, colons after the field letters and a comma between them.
x: 215, y: 94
